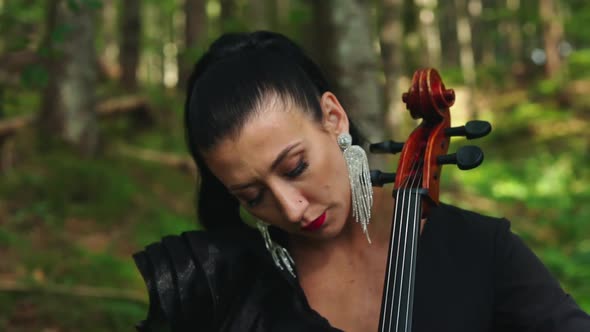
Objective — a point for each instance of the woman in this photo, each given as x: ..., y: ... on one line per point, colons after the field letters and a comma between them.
x: 269, y: 136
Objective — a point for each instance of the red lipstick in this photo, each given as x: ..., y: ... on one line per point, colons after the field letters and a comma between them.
x: 316, y: 224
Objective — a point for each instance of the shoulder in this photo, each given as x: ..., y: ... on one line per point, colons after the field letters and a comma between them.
x: 521, y: 289
x: 220, y: 282
x: 464, y: 249
x: 457, y: 217
x: 463, y: 246
x: 193, y: 278
x: 470, y: 230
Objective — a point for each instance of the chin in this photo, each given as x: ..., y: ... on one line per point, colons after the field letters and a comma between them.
x: 328, y: 231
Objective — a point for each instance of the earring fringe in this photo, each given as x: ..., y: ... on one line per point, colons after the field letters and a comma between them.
x: 280, y: 255
x: 360, y: 181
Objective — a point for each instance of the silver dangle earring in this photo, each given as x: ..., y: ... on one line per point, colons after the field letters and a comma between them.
x: 360, y: 181
x: 280, y: 255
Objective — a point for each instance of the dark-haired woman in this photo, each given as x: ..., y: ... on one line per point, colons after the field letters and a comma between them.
x: 268, y: 135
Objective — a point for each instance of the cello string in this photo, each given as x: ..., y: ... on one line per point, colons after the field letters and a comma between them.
x: 385, y: 300
x: 416, y: 181
x: 405, y: 203
x: 398, y: 207
x: 413, y: 258
x: 412, y: 224
x: 387, y: 319
x: 397, y: 260
x: 414, y: 178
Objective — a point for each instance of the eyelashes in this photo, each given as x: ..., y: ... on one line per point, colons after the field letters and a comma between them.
x: 298, y: 170
x: 302, y: 165
x: 253, y: 202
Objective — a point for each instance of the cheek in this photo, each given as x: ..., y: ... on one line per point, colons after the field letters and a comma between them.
x: 269, y: 215
x: 335, y: 181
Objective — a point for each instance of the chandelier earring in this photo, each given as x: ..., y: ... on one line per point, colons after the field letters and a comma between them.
x: 360, y: 181
x: 279, y: 254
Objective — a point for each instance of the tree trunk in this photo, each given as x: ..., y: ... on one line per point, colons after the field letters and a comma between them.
x: 474, y: 12
x: 448, y: 33
x: 228, y: 16
x: 68, y: 101
x: 391, y: 40
x: 550, y: 15
x: 170, y: 66
x: 195, y: 37
x: 108, y: 62
x: 322, y: 40
x: 466, y: 55
x: 2, y: 98
x: 130, y: 43
x: 513, y: 33
x: 283, y: 10
x: 358, y: 69
x: 486, y: 43
x: 429, y: 31
x: 262, y: 15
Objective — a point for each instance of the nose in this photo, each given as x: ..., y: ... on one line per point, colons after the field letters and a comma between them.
x: 291, y: 201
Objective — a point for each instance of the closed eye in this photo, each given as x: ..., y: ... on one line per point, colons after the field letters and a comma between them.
x: 255, y: 201
x: 298, y: 170
x: 301, y: 166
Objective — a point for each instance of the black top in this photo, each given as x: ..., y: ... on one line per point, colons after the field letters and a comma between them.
x: 472, y: 274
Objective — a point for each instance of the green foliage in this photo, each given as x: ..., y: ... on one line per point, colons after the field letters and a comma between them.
x: 76, y: 5
x: 68, y: 313
x: 20, y: 102
x: 579, y: 64
x: 452, y: 76
x: 63, y: 185
x: 548, y: 87
x: 61, y: 33
x: 34, y: 76
x: 577, y: 22
x: 299, y: 15
x: 69, y: 221
x: 156, y: 223
x: 16, y: 17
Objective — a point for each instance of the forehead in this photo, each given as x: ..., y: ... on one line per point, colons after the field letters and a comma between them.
x: 263, y: 137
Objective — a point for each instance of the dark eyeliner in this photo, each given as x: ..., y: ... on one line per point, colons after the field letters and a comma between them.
x: 252, y: 202
x: 301, y: 166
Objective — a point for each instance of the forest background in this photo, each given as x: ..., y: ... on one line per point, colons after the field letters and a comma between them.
x: 93, y: 164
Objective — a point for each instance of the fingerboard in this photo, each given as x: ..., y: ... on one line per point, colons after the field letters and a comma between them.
x: 398, y: 289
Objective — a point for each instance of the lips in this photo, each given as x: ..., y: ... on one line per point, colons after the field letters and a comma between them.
x: 316, y: 224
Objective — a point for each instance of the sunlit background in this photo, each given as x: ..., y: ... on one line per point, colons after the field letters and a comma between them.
x: 93, y: 164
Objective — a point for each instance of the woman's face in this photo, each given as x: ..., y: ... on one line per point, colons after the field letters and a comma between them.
x: 287, y: 169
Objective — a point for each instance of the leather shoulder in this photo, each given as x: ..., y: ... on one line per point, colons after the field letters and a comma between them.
x: 193, y: 279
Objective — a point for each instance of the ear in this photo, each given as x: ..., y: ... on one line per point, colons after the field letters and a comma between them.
x: 334, y: 120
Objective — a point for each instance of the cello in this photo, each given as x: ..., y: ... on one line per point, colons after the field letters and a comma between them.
x: 416, y: 188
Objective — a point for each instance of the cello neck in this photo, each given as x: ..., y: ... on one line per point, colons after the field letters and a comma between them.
x: 398, y: 291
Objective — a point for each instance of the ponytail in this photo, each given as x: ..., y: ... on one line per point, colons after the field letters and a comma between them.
x: 217, y: 207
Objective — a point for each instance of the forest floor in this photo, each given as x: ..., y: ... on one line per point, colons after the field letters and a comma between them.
x: 69, y: 226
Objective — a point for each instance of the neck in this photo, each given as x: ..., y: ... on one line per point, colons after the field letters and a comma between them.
x: 352, y: 239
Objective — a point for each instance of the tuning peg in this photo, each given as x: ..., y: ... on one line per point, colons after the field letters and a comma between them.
x: 467, y: 157
x: 472, y: 129
x: 386, y: 147
x: 379, y: 178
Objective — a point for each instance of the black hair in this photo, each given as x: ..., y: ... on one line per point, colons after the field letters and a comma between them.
x: 227, y: 84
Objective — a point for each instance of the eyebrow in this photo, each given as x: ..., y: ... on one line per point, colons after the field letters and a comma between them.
x: 280, y: 157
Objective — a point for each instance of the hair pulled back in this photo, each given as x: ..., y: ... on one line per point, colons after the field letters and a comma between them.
x: 227, y: 84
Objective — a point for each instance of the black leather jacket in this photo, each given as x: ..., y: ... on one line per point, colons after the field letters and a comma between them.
x: 472, y: 274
